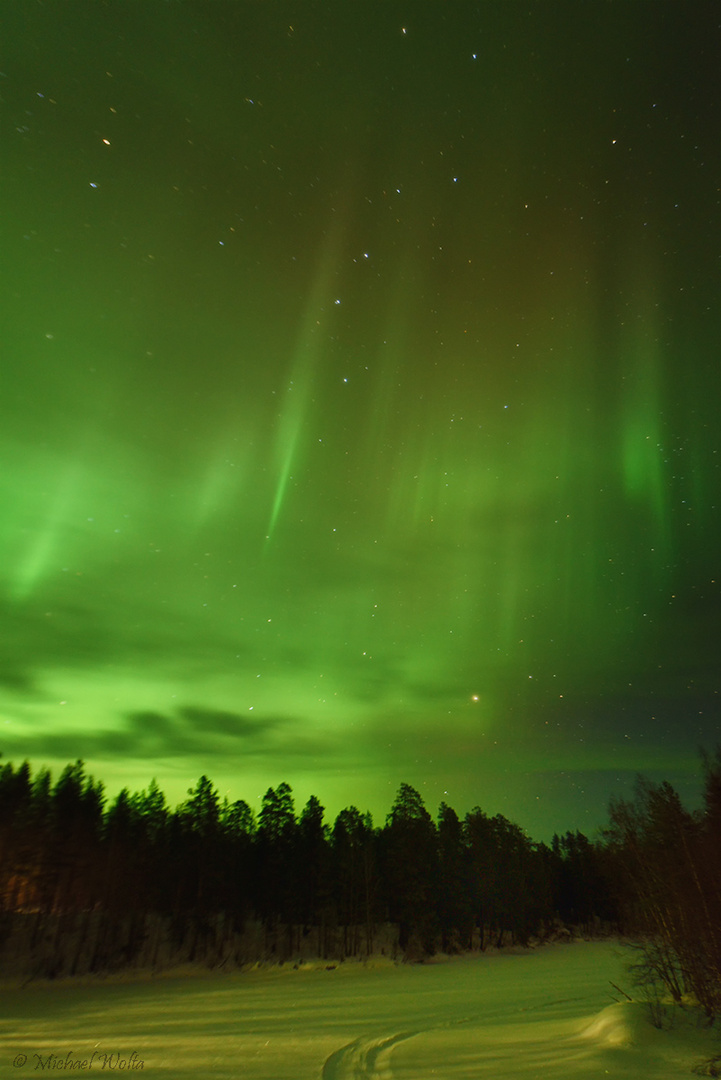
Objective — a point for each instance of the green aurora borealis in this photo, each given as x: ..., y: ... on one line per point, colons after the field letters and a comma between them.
x: 360, y: 411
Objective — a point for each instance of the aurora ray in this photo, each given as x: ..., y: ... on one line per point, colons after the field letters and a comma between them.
x: 362, y: 386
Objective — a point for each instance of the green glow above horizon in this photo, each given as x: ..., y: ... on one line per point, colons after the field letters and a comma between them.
x: 360, y: 401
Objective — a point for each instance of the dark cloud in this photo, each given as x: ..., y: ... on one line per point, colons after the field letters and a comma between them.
x: 205, y: 722
x: 17, y: 680
x: 192, y: 732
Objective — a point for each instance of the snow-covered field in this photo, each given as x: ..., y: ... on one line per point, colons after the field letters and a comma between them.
x: 548, y: 1013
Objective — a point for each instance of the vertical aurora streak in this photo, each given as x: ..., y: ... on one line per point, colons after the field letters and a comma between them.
x: 305, y: 375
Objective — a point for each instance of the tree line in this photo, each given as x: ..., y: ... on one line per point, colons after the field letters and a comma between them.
x: 134, y: 862
x: 88, y: 884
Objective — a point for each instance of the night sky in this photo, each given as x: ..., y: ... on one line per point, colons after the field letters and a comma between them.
x: 359, y: 402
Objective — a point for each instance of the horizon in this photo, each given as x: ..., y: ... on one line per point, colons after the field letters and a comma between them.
x: 691, y: 797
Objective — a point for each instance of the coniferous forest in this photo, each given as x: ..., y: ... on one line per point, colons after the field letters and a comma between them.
x: 89, y: 885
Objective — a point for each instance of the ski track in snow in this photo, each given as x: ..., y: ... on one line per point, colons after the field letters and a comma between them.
x: 364, y: 1059
x: 369, y: 1058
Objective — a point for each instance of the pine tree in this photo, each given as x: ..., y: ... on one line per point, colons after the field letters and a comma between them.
x: 410, y: 868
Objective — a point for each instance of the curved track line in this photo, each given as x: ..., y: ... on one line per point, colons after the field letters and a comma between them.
x: 360, y: 1060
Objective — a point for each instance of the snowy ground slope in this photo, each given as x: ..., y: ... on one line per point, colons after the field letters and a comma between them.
x: 548, y: 1013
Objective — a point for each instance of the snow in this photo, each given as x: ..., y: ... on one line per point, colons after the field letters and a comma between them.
x: 550, y: 1013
